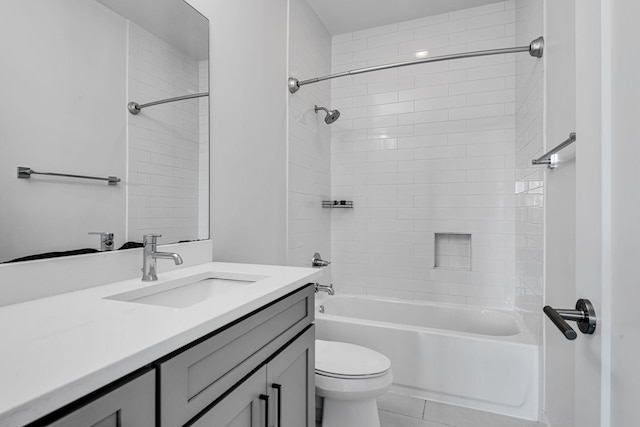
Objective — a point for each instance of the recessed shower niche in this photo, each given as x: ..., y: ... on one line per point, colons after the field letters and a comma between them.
x: 452, y: 251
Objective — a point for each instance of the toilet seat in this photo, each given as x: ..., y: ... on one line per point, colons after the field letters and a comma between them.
x: 349, y: 361
x: 350, y: 372
x: 349, y: 378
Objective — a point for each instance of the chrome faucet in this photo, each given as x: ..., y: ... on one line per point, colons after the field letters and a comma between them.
x: 149, y: 257
x: 325, y: 288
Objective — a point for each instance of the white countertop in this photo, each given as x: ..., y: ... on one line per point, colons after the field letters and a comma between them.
x: 57, y: 349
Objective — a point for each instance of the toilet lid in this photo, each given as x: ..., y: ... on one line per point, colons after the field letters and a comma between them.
x: 339, y: 359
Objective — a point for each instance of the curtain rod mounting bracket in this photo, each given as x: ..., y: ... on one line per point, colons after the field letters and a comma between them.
x: 536, y: 48
x: 294, y: 85
x: 134, y: 108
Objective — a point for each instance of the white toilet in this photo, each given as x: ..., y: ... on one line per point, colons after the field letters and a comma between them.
x: 350, y: 377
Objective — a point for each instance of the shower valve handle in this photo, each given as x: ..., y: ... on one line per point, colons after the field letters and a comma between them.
x: 318, y: 262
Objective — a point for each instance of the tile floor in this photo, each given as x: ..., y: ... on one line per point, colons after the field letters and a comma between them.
x: 398, y: 410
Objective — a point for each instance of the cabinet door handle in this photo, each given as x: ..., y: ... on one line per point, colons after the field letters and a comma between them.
x: 266, y: 409
x: 278, y: 387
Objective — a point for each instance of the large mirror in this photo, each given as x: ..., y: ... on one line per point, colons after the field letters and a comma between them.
x: 70, y: 68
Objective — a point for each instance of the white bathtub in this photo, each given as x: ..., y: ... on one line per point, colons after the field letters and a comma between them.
x: 467, y: 356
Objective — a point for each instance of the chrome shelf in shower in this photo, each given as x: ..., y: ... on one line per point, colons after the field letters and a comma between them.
x: 337, y: 204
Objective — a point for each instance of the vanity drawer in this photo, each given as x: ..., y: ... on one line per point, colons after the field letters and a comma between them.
x: 194, y: 378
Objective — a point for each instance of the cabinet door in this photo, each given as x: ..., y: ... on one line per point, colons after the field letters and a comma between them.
x: 291, y: 383
x: 131, y: 405
x: 201, y: 374
x: 245, y: 406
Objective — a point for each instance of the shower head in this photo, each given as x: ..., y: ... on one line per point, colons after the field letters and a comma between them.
x: 332, y: 115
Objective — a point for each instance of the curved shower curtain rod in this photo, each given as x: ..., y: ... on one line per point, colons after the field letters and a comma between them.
x: 134, y: 108
x: 535, y: 49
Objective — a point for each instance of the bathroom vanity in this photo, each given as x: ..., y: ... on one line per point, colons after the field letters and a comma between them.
x: 238, y: 354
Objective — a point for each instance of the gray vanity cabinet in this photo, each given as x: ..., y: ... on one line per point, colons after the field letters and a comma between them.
x: 282, y: 390
x: 258, y: 366
x: 130, y: 405
x: 198, y: 377
x: 291, y: 383
x: 243, y: 407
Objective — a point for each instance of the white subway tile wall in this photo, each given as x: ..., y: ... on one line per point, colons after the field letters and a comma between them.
x: 422, y: 150
x: 165, y: 141
x: 529, y: 179
x: 309, y: 175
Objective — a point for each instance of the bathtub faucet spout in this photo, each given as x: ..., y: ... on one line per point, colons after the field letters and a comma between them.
x: 325, y: 288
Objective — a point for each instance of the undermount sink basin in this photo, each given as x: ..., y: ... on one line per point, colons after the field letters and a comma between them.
x: 188, y: 291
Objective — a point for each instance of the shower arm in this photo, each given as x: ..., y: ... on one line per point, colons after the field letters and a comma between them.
x: 535, y: 49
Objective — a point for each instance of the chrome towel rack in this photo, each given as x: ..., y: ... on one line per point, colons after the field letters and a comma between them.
x: 24, y: 172
x: 134, y: 107
x: 545, y: 159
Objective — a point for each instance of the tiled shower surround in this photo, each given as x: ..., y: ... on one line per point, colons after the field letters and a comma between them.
x: 422, y: 150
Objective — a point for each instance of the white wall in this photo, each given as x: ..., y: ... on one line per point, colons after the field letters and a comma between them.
x: 560, y: 208
x: 426, y: 149
x: 592, y: 173
x: 45, y: 214
x: 309, y: 179
x: 625, y: 292
x: 248, y: 129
